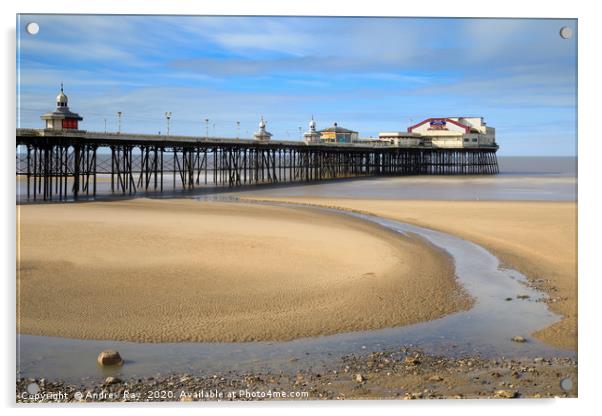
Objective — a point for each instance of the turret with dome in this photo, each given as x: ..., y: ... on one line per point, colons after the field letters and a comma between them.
x: 262, y: 134
x: 62, y: 118
x: 61, y: 99
x: 312, y: 135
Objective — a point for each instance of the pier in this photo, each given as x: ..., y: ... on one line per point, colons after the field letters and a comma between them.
x: 61, y: 164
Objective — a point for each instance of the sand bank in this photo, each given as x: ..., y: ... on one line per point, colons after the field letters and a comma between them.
x: 180, y: 270
x: 539, y: 239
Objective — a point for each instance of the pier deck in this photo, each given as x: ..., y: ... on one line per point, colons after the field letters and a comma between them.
x: 64, y: 164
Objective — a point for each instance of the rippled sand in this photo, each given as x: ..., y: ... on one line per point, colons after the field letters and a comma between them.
x: 537, y: 238
x: 180, y: 270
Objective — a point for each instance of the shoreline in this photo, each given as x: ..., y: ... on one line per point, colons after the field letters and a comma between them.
x: 554, y: 274
x: 400, y: 374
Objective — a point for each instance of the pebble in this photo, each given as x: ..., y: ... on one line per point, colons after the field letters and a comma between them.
x: 519, y: 338
x: 411, y: 361
x: 109, y: 357
x: 112, y: 380
x: 506, y: 394
x: 358, y: 378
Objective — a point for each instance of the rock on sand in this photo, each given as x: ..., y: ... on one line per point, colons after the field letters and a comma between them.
x: 109, y: 357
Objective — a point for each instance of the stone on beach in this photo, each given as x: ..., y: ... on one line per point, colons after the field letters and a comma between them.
x: 109, y: 357
x: 519, y: 338
x: 411, y: 361
x: 112, y: 380
x: 506, y: 394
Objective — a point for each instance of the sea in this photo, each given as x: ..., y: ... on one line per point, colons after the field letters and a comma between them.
x: 520, y: 178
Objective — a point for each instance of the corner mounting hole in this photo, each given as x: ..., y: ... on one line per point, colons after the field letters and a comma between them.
x: 566, y: 384
x: 32, y: 28
x: 566, y: 32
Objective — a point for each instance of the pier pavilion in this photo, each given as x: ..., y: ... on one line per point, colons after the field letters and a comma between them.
x: 453, y: 132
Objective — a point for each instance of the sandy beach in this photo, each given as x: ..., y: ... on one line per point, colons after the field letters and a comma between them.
x: 179, y: 270
x: 537, y: 238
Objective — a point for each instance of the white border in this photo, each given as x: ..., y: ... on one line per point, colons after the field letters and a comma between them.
x: 589, y: 188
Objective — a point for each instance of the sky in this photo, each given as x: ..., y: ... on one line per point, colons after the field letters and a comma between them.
x: 367, y: 74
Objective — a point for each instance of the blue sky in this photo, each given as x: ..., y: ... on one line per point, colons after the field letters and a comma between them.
x: 367, y: 74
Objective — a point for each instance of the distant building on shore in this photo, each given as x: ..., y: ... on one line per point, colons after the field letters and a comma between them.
x: 262, y: 134
x: 445, y: 132
x: 336, y: 134
x: 61, y: 118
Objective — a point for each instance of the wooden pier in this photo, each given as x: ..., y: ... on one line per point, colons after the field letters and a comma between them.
x: 67, y: 164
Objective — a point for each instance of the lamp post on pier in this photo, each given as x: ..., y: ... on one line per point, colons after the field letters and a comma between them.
x: 119, y: 114
x: 168, y: 118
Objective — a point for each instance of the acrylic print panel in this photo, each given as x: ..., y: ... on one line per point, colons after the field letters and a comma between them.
x: 295, y: 208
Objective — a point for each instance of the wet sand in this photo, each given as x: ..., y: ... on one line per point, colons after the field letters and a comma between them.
x: 179, y: 270
x: 539, y: 239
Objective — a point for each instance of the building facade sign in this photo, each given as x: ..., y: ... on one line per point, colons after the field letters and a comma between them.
x: 438, y: 124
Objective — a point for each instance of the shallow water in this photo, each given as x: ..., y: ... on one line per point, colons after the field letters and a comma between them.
x: 471, y: 188
x: 521, y: 178
x: 486, y: 329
